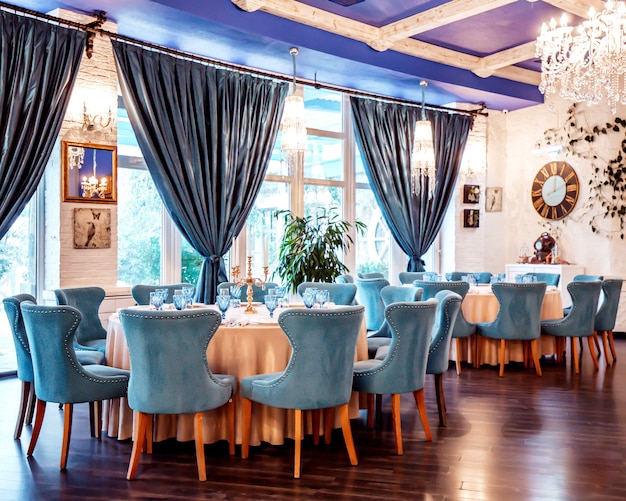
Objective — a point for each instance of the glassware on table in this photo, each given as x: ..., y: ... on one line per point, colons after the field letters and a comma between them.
x: 235, y: 291
x: 223, y: 303
x: 281, y: 292
x: 471, y: 280
x: 309, y: 297
x: 156, y: 300
x: 271, y: 303
x: 224, y: 292
x: 188, y: 295
x: 164, y: 294
x: 179, y: 301
x: 322, y: 297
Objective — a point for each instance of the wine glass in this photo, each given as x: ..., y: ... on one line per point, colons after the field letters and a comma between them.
x: 188, y: 295
x: 271, y: 302
x: 235, y: 291
x: 180, y: 301
x: 309, y: 298
x: 322, y: 297
x: 156, y: 300
x: 223, y: 303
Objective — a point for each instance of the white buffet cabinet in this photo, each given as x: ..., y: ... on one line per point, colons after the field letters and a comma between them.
x: 567, y: 272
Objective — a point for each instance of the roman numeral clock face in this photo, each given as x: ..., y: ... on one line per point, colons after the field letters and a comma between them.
x: 555, y: 190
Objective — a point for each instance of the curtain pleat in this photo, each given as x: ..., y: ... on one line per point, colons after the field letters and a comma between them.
x: 39, y: 62
x: 207, y: 135
x: 384, y: 133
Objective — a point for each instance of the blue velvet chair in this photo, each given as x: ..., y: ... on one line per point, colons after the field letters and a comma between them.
x: 548, y: 278
x: 344, y: 279
x: 483, y: 277
x: 390, y: 294
x: 318, y: 375
x: 587, y: 278
x: 59, y: 377
x: 519, y: 318
x: 368, y: 294
x: 25, y: 371
x: 403, y: 369
x: 580, y: 321
x: 462, y: 327
x: 258, y: 292
x: 407, y: 277
x: 141, y: 292
x: 606, y: 315
x: 170, y: 373
x: 374, y: 274
x: 90, y: 334
x: 340, y: 294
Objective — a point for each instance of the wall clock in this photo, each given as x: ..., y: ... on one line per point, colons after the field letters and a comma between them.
x: 555, y: 190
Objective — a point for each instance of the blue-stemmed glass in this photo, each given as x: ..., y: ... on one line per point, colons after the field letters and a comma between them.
x: 235, y: 291
x: 223, y: 303
x: 188, y: 295
x: 322, y: 297
x: 309, y: 297
x: 271, y: 302
x: 180, y: 301
x: 156, y: 300
x: 164, y: 293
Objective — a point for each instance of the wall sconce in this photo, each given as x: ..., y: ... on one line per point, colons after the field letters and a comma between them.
x: 90, y: 122
x: 474, y: 161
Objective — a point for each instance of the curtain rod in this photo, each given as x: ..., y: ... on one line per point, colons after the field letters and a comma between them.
x: 101, y: 17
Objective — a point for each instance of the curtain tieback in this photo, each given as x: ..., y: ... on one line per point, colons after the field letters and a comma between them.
x: 214, y: 259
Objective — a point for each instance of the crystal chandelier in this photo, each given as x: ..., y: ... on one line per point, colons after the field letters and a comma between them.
x: 587, y: 66
x: 294, y: 138
x: 92, y: 188
x: 423, y: 154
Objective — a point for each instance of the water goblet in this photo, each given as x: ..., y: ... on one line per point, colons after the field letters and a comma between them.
x: 156, y: 300
x: 223, y: 303
x: 280, y: 292
x: 322, y: 297
x: 179, y: 301
x: 309, y: 298
x: 271, y: 302
x: 235, y: 291
x: 164, y: 293
x: 188, y: 295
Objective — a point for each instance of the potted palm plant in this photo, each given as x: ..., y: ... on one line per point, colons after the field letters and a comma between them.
x: 312, y: 245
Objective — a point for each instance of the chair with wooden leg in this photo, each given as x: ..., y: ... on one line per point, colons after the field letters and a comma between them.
x: 318, y: 374
x: 403, y: 369
x: 518, y: 319
x: 59, y: 376
x: 580, y: 321
x: 170, y: 374
x: 607, y: 314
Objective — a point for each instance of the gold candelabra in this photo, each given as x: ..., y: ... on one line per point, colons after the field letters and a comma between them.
x: 249, y: 280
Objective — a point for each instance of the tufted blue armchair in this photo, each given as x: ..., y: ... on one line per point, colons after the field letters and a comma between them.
x: 25, y: 371
x: 587, y: 278
x: 580, y: 321
x: 548, y: 278
x: 606, y: 315
x: 403, y: 368
x: 340, y: 294
x: 407, y: 277
x: 170, y: 373
x: 258, y: 292
x: 318, y: 374
x: 389, y: 295
x: 141, y: 293
x: 90, y: 334
x: 344, y: 279
x: 59, y: 377
x: 462, y: 327
x: 483, y: 277
x: 374, y: 274
x: 519, y: 318
x: 368, y: 294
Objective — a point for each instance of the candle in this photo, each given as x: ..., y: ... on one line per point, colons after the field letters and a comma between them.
x: 265, y: 251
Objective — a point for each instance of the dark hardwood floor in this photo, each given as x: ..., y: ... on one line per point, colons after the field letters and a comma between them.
x: 521, y: 437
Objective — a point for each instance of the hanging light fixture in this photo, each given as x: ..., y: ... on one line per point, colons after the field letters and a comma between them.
x: 294, y: 138
x: 423, y: 155
x: 587, y: 66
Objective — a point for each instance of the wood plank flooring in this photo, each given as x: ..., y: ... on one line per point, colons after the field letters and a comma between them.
x: 520, y: 437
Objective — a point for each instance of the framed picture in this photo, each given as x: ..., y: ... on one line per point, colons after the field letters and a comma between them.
x: 471, y: 218
x: 493, y: 199
x: 471, y: 194
x: 92, y: 228
x: 89, y: 172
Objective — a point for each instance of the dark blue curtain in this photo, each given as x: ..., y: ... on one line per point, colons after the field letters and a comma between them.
x: 384, y: 134
x: 38, y: 65
x: 207, y: 135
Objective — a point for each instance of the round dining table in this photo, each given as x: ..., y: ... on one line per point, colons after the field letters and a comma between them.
x: 252, y: 344
x: 481, y: 305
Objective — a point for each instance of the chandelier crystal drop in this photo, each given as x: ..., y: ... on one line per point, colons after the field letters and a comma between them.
x: 293, y: 125
x: 586, y: 65
x: 423, y: 154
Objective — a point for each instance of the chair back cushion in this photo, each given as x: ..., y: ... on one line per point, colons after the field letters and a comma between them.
x: 340, y: 294
x: 448, y: 307
x: 16, y: 322
x: 462, y: 327
x: 87, y: 300
x: 170, y: 373
x: 319, y: 372
x: 59, y: 377
x: 370, y: 275
x: 141, y: 293
x: 607, y: 313
x: 368, y: 294
x: 587, y: 278
x: 519, y: 314
x: 404, y: 367
x: 407, y: 277
x: 344, y: 279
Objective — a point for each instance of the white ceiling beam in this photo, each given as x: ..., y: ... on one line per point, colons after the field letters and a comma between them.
x: 489, y: 64
x: 579, y: 8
